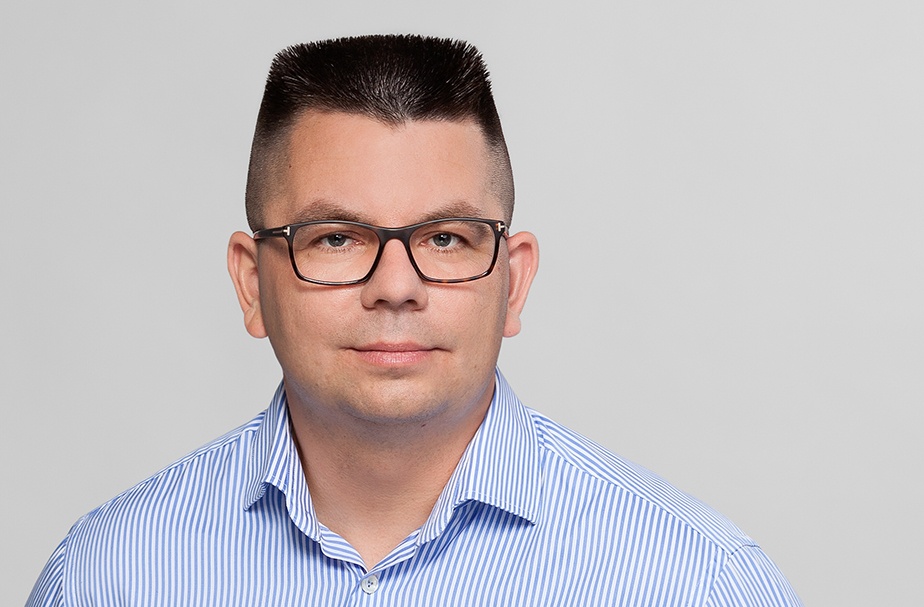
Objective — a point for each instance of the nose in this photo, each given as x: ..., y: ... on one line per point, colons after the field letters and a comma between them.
x: 394, y: 283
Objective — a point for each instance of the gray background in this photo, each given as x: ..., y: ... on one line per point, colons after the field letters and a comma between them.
x: 728, y: 200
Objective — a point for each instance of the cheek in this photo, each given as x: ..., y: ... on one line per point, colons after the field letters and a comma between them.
x: 484, y: 315
x: 294, y: 320
x: 495, y: 297
x: 272, y: 300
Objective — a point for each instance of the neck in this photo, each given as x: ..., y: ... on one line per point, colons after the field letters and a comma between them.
x: 374, y: 484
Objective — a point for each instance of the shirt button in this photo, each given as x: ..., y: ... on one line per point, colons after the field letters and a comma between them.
x: 370, y: 584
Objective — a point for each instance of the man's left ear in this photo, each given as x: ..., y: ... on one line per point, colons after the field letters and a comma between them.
x: 523, y: 260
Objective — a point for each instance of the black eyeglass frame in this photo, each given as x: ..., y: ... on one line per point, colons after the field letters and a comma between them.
x: 499, y: 228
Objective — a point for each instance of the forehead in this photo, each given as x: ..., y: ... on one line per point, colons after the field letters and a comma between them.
x: 389, y: 175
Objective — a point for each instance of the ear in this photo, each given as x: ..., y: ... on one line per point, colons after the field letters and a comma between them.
x: 523, y: 260
x: 242, y: 265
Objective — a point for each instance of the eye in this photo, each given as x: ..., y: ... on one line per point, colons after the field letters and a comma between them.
x: 332, y: 238
x: 335, y: 240
x: 444, y: 239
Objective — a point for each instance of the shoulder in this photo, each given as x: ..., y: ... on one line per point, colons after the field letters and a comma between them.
x: 114, y: 531
x: 227, y: 451
x: 571, y: 453
x: 636, y: 512
x: 184, y: 488
x: 630, y: 515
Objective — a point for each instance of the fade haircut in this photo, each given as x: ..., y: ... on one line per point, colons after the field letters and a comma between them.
x: 390, y: 78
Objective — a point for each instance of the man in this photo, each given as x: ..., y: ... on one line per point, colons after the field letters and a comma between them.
x: 395, y: 466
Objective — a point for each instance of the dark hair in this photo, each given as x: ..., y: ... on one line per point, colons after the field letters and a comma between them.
x: 390, y: 78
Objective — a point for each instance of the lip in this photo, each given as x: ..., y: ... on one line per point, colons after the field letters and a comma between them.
x: 393, y: 354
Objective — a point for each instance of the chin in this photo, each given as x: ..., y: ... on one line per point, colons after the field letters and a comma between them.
x: 400, y: 403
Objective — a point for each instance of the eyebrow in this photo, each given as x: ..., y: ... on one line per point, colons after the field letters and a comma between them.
x: 320, y: 210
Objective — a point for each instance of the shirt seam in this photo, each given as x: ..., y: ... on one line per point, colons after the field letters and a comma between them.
x: 228, y: 439
x: 728, y: 552
x: 726, y: 556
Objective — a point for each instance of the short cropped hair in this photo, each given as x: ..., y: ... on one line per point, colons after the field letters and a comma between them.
x: 390, y: 78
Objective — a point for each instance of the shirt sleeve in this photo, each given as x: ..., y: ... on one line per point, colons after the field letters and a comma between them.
x: 49, y: 588
x: 750, y: 579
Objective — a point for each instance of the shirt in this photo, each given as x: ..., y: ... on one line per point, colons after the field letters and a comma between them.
x: 534, y: 514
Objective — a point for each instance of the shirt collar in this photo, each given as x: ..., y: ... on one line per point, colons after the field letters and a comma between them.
x: 274, y: 461
x: 500, y: 466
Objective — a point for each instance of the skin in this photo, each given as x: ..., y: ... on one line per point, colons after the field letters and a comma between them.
x: 387, y: 381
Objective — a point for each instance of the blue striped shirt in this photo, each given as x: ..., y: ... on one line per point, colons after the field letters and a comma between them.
x: 534, y: 514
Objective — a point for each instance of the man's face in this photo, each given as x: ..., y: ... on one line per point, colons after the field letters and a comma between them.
x: 395, y: 349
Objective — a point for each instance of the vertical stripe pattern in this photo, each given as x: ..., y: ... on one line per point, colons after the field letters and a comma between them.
x: 533, y: 515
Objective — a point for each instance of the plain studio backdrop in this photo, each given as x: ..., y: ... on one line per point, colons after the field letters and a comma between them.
x: 729, y: 201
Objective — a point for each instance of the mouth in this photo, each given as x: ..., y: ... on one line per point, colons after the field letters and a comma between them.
x: 394, y: 354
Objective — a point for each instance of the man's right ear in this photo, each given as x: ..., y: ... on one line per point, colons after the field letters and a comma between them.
x: 242, y: 265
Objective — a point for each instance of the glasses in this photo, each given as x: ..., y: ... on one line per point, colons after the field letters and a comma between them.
x: 452, y: 250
